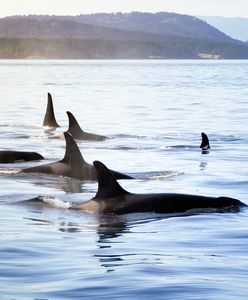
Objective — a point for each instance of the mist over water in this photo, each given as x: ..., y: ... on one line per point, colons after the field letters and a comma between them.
x: 154, y: 113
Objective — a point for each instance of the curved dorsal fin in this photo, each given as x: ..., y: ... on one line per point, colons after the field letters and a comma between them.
x: 74, y: 128
x: 49, y: 119
x: 205, y: 142
x: 108, y: 187
x: 73, y: 155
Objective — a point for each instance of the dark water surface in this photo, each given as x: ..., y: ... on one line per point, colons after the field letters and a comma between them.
x: 153, y: 112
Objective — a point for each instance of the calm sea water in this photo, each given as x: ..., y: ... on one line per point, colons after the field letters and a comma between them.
x: 154, y: 112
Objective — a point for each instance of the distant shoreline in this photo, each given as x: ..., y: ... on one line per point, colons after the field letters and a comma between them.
x: 116, y: 36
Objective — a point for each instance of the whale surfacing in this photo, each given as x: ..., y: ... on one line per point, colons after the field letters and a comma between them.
x: 72, y: 165
x: 205, y: 146
x: 49, y: 119
x: 77, y: 133
x: 111, y: 198
x: 18, y: 156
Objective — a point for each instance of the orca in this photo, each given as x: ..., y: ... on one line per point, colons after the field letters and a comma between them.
x: 72, y: 165
x: 18, y: 156
x: 77, y: 133
x: 49, y: 119
x: 205, y: 146
x: 111, y: 198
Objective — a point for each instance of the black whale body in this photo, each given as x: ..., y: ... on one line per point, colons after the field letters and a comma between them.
x: 205, y: 146
x: 77, y: 133
x: 111, y: 198
x: 72, y: 165
x: 49, y: 119
x: 18, y: 156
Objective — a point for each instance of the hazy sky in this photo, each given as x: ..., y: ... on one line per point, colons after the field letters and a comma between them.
x: 230, y: 8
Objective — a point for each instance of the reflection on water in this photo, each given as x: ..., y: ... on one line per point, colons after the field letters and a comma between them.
x: 67, y: 185
x: 110, y: 227
x: 203, y: 165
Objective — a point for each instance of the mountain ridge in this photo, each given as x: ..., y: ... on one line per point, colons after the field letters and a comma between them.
x: 162, y: 23
x: 236, y: 27
x: 127, y: 36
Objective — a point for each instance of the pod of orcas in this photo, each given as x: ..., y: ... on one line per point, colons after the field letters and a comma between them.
x: 50, y: 123
x: 74, y: 128
x: 111, y: 198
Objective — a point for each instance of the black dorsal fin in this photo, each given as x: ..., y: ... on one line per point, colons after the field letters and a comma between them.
x: 74, y: 129
x: 73, y: 155
x: 108, y: 187
x: 49, y: 119
x: 205, y: 142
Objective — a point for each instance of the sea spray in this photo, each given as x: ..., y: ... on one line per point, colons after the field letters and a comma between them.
x: 56, y: 202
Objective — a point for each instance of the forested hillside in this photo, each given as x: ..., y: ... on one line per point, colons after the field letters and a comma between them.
x: 115, y: 36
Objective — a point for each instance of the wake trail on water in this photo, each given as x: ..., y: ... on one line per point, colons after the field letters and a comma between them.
x: 56, y: 202
x: 52, y: 201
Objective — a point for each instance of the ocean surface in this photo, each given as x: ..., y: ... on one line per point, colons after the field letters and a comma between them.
x: 154, y: 112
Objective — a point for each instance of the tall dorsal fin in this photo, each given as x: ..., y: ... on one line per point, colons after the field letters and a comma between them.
x: 74, y: 127
x: 205, y: 142
x: 73, y: 155
x: 49, y: 119
x: 108, y: 187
